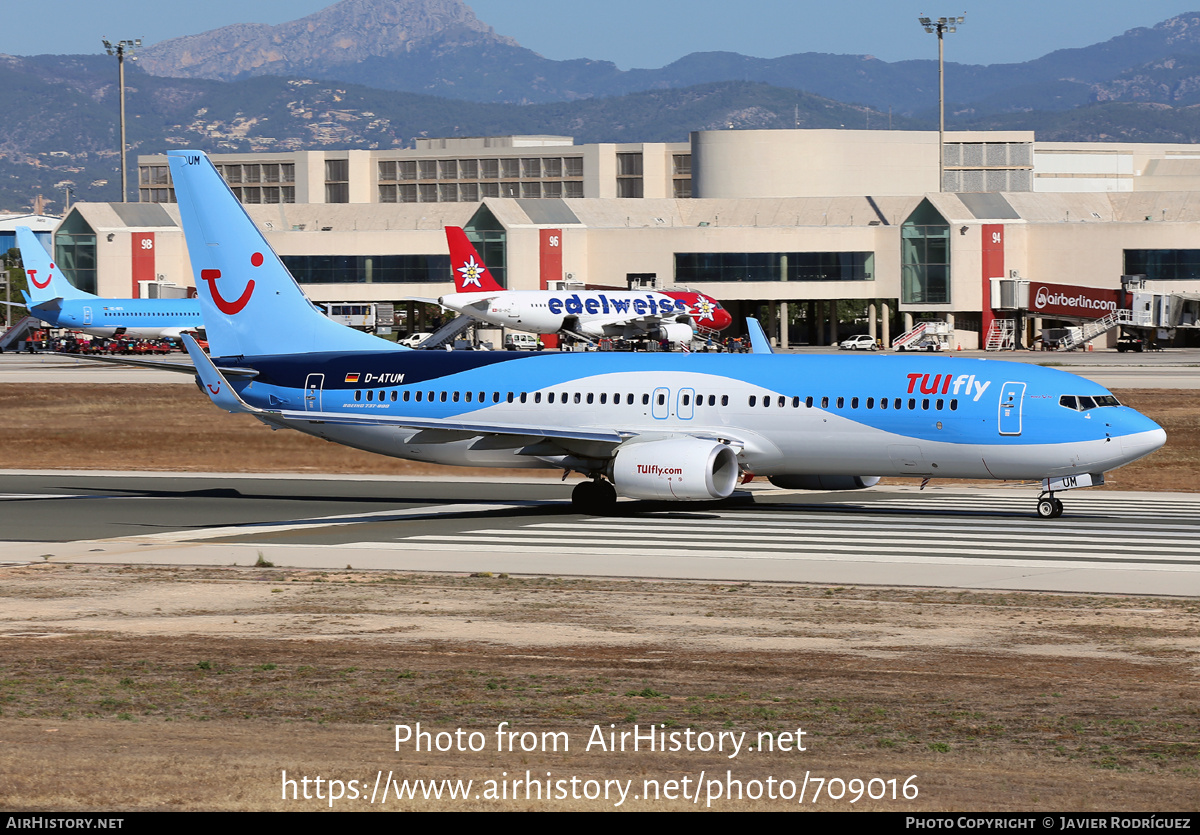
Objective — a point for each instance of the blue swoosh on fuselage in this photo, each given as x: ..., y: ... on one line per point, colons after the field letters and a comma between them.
x: 974, y: 421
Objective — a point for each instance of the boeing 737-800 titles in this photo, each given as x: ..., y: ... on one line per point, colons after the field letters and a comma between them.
x: 674, y: 315
x: 642, y: 425
x: 60, y: 304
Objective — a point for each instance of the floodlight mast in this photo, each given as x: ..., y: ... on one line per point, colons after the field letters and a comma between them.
x: 941, y: 26
x: 119, y: 48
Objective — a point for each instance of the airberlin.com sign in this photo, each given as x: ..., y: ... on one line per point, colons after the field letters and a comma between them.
x: 1071, y: 300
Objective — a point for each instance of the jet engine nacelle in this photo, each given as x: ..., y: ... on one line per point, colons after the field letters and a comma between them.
x: 676, y: 469
x: 824, y: 482
x: 674, y: 332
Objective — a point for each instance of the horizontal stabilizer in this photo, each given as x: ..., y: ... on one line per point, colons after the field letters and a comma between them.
x: 164, y: 365
x: 215, y: 384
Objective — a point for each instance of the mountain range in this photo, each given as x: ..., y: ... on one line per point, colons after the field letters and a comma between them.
x: 378, y: 73
x: 438, y: 47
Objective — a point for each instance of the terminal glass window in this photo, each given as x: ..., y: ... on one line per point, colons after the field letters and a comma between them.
x: 491, y: 242
x: 925, y: 257
x: 1163, y: 264
x: 774, y: 266
x: 337, y: 180
x: 75, y: 252
x: 368, y: 269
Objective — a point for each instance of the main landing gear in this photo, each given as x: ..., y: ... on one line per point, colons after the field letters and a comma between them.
x: 1049, y: 507
x: 597, y: 497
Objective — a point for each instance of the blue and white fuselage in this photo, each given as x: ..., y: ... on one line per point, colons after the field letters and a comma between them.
x: 787, y: 415
x: 137, y: 318
x: 643, y: 425
x: 60, y: 304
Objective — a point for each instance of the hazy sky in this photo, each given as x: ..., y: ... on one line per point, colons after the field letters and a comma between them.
x: 643, y: 33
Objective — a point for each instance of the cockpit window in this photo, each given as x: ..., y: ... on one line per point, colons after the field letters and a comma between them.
x: 1082, y: 403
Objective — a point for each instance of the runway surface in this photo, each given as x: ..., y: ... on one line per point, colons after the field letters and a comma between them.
x: 947, y: 536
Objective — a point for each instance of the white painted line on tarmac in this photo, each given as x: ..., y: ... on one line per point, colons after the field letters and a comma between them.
x: 316, y: 522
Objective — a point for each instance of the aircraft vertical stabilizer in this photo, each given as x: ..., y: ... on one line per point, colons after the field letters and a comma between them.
x: 471, y: 275
x: 45, y: 280
x: 250, y: 303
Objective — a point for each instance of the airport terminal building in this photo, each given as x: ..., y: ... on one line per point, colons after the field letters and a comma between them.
x: 820, y: 233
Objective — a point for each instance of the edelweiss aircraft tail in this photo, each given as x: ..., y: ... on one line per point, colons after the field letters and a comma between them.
x: 471, y: 275
x: 46, y: 282
x: 250, y: 303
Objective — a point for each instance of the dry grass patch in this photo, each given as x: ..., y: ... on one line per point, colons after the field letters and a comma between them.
x: 995, y: 700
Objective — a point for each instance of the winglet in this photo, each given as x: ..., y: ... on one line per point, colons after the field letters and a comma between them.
x: 215, y: 385
x: 471, y: 275
x: 759, y: 344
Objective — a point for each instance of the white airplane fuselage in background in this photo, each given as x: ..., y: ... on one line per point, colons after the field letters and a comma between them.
x: 591, y: 313
x: 658, y: 314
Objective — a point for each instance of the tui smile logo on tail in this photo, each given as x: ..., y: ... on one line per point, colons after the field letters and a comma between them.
x: 41, y: 285
x: 225, y: 306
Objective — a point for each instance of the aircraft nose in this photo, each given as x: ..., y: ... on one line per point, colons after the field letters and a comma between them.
x: 1139, y: 444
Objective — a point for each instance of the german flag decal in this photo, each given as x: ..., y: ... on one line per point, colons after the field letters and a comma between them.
x: 351, y: 378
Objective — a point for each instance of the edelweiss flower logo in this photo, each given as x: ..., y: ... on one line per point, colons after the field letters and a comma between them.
x: 470, y: 273
x: 705, y: 310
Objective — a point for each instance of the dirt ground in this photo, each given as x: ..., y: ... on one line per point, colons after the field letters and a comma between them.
x: 154, y: 688
x: 128, y: 688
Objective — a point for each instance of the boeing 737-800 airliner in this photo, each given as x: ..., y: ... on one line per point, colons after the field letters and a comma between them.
x: 60, y: 304
x: 655, y: 426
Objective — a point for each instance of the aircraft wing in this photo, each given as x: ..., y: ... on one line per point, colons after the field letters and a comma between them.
x: 162, y: 365
x: 645, y: 321
x: 612, y: 436
x: 476, y: 306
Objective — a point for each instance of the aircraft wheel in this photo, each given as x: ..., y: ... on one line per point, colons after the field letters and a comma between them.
x: 1046, y: 508
x: 596, y: 497
x: 1058, y: 509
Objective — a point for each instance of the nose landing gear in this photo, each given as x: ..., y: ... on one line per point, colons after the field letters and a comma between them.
x: 1049, y: 507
